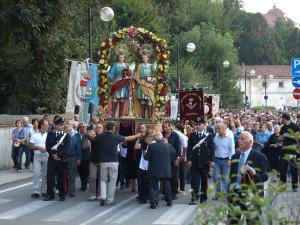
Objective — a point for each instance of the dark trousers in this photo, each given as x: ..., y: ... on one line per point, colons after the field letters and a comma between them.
x: 72, y: 170
x: 154, y: 189
x: 15, y: 155
x: 182, y: 175
x: 83, y: 170
x: 143, y: 185
x: 283, y: 166
x: 174, y: 180
x: 197, y: 175
x: 23, y: 149
x: 55, y: 169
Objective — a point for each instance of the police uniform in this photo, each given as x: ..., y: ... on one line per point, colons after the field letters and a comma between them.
x: 56, y: 168
x: 200, y: 156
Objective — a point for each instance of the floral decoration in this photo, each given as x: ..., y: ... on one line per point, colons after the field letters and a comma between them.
x: 162, y: 50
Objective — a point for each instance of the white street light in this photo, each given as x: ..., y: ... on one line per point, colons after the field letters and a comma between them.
x: 226, y: 64
x: 190, y: 47
x: 106, y: 14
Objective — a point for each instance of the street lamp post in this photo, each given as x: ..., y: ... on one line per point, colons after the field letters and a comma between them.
x: 265, y: 84
x: 226, y: 64
x: 106, y: 15
x: 252, y: 73
x: 190, y: 47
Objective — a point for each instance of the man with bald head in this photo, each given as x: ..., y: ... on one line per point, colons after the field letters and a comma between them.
x: 248, y: 167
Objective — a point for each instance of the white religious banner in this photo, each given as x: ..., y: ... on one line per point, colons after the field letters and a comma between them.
x: 215, y: 103
x: 76, y: 91
x: 174, y: 107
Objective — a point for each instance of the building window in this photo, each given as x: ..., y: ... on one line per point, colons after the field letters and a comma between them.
x: 264, y: 84
x: 281, y: 84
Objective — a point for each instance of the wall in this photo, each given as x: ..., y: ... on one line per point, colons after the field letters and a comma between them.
x: 277, y: 96
x: 5, y: 147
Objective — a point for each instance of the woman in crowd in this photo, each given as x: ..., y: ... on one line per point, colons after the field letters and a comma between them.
x: 273, y: 148
x: 143, y: 185
x: 261, y: 139
x: 18, y: 137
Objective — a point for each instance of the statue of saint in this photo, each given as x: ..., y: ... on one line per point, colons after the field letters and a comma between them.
x: 145, y: 85
x: 121, y: 92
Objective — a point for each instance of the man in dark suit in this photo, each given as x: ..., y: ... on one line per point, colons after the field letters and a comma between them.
x: 200, y: 153
x: 57, y: 146
x: 174, y: 140
x: 160, y: 155
x: 85, y: 147
x: 248, y: 168
x: 285, y: 154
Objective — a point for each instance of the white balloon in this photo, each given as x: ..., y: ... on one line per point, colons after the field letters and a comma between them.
x: 106, y: 14
x: 190, y: 47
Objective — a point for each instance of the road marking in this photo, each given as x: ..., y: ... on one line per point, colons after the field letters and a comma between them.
x: 176, y: 215
x: 2, y: 201
x: 16, y: 187
x: 108, y: 211
x: 125, y: 214
x: 22, y: 210
x: 73, y: 212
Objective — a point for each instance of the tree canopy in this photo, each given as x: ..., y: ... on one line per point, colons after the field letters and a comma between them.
x: 37, y: 37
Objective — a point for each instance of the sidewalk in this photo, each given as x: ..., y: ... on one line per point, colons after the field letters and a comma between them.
x: 11, y: 175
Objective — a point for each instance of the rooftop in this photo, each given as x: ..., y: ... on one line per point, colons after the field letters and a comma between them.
x: 275, y: 70
x: 273, y: 14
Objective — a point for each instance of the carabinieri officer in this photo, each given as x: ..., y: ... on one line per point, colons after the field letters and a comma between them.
x: 57, y: 147
x: 200, y: 154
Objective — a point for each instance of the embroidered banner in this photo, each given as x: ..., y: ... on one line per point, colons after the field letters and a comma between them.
x: 191, y: 104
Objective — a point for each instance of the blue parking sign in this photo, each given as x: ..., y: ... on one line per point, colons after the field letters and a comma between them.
x: 295, y: 66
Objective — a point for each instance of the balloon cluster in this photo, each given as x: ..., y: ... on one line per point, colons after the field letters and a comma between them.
x: 162, y: 50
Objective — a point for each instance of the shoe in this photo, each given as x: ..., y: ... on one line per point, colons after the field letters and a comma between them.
x: 62, y: 198
x: 169, y: 203
x: 203, y: 199
x: 295, y: 189
x: 72, y: 195
x: 44, y: 195
x: 83, y: 188
x: 153, y: 205
x: 92, y: 198
x: 192, y: 202
x: 142, y: 201
x: 27, y: 167
x: 19, y: 171
x: 35, y: 195
x: 174, y: 197
x: 102, y: 202
x: 48, y: 198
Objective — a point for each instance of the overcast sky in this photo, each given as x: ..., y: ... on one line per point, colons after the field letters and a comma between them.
x: 290, y: 7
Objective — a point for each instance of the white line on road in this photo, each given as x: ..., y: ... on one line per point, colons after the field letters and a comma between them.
x: 73, y: 212
x: 125, y: 214
x: 107, y: 211
x: 22, y: 210
x: 131, y: 214
x: 2, y: 201
x: 16, y: 187
x: 176, y: 215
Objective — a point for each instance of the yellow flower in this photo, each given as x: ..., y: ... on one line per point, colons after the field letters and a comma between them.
x: 105, y: 86
x: 165, y: 56
x: 103, y: 44
x: 157, y: 98
x: 101, y: 61
x: 104, y: 80
x: 105, y: 65
x: 103, y: 71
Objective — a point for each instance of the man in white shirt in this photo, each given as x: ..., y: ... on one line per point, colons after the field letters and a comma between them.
x: 38, y: 145
x: 224, y: 149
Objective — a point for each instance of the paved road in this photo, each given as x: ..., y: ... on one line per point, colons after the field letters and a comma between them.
x: 16, y: 207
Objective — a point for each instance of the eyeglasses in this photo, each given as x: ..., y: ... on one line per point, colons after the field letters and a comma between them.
x: 81, y: 126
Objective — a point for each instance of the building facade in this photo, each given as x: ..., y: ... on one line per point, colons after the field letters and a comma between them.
x: 272, y: 81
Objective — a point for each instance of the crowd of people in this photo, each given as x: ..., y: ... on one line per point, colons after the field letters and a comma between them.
x: 154, y: 161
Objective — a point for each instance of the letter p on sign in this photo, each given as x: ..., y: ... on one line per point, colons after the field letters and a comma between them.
x: 295, y: 67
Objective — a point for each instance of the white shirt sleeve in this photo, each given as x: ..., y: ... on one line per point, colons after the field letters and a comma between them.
x: 32, y: 138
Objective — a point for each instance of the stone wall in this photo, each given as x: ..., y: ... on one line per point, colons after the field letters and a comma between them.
x: 5, y: 147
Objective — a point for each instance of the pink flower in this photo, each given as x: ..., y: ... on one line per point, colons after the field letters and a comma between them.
x: 132, y: 31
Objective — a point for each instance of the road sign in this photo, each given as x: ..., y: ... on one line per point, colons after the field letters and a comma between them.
x: 295, y: 66
x: 296, y: 93
x: 296, y: 82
